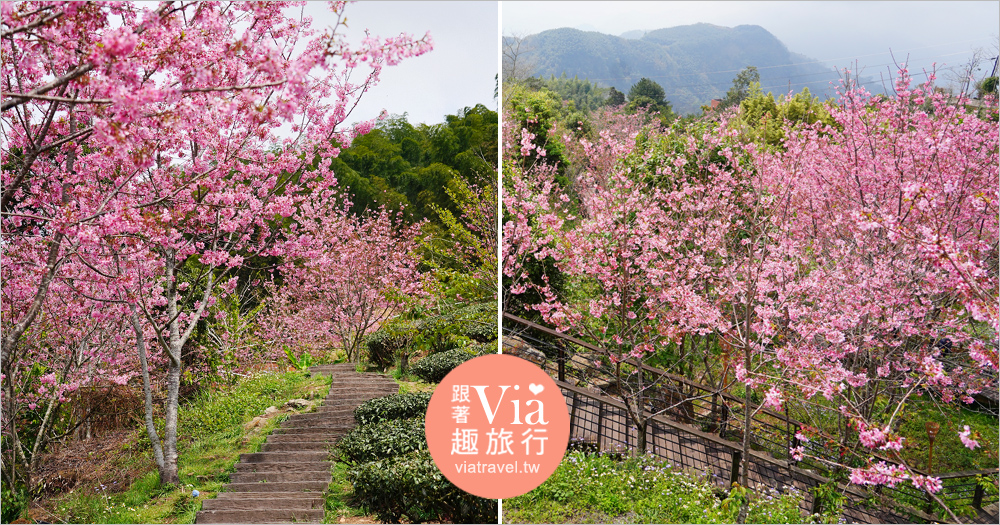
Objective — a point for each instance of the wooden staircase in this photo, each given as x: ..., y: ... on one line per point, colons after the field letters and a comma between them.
x: 287, y: 480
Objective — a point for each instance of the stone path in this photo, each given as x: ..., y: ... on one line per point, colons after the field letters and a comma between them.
x: 286, y: 481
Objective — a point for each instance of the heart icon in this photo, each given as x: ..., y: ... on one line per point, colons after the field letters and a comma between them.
x: 535, y: 389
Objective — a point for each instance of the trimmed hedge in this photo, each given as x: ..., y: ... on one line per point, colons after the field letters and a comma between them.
x: 395, y: 406
x: 412, y: 486
x: 433, y: 368
x: 479, y: 331
x: 385, y: 439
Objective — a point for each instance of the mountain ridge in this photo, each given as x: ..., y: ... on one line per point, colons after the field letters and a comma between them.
x: 694, y: 63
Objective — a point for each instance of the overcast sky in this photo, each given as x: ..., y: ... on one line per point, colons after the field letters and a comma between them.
x: 837, y: 33
x: 459, y: 72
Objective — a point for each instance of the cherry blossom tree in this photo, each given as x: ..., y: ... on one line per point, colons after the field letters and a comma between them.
x: 75, y: 345
x: 348, y: 275
x: 895, y: 236
x: 143, y: 145
x: 638, y: 246
x: 854, y: 265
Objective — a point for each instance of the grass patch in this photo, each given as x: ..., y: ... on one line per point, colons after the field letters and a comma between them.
x: 212, y: 437
x: 409, y: 382
x: 340, y: 497
x: 598, y: 488
x: 950, y: 455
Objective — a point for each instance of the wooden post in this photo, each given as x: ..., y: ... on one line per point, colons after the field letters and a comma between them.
x: 817, y: 506
x: 734, y: 472
x: 562, y: 363
x: 629, y: 422
x: 977, y: 497
x: 715, y: 412
x: 789, y: 436
x: 600, y: 423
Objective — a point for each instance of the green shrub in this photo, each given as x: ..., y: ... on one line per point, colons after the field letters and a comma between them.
x: 392, y: 437
x: 480, y: 331
x: 412, y: 486
x: 437, y: 335
x: 486, y: 348
x: 395, y: 406
x: 14, y: 501
x: 433, y: 368
x: 384, y: 344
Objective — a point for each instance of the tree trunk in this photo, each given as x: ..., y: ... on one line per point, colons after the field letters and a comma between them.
x: 168, y: 473
x: 642, y: 435
x: 745, y: 468
x: 10, y: 465
x: 51, y: 409
x: 148, y: 392
x: 640, y: 420
x: 174, y: 346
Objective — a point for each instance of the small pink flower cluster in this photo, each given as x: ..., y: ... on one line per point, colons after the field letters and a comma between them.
x: 964, y: 436
x: 880, y: 473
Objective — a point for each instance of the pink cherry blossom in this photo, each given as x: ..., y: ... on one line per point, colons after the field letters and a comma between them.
x: 150, y: 166
x: 964, y: 436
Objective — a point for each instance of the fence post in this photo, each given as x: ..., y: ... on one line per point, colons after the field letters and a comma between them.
x: 600, y: 423
x: 572, y: 413
x: 788, y: 435
x: 977, y: 497
x: 734, y: 473
x: 817, y: 506
x: 715, y: 412
x: 724, y: 421
x: 562, y: 363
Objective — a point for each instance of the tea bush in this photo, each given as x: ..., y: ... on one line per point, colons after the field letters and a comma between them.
x: 388, y: 438
x: 480, y: 331
x: 412, y: 486
x: 434, y: 367
x: 487, y: 348
x: 396, y: 406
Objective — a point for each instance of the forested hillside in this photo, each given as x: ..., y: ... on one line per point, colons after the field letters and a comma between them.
x: 402, y: 164
x: 693, y: 63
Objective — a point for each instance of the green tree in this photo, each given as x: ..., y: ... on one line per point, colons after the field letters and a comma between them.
x: 615, y: 98
x: 645, y: 91
x: 585, y: 95
x: 536, y: 112
x: 763, y: 117
x: 988, y: 86
x: 650, y: 96
x: 399, y: 164
x: 741, y: 87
